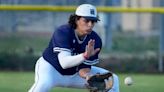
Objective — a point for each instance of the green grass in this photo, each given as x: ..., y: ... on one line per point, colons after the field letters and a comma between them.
x: 143, y: 83
x: 21, y: 82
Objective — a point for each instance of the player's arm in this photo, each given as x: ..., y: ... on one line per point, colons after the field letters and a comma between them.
x: 66, y: 60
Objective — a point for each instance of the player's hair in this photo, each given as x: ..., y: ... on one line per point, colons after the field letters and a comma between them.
x: 72, y: 20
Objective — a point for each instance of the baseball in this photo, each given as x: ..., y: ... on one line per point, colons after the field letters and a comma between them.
x: 128, y: 81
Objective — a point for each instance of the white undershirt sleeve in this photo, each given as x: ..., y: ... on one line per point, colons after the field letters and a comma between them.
x: 66, y: 60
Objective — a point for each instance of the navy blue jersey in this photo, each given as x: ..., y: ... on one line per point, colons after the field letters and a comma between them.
x: 65, y: 39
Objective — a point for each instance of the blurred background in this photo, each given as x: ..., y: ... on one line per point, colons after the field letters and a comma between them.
x: 133, y: 42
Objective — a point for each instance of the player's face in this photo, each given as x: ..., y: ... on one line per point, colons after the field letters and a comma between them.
x: 84, y: 26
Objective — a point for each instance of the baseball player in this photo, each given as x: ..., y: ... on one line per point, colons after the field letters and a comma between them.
x: 72, y: 51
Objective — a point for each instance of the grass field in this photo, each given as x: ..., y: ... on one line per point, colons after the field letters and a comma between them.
x: 21, y: 82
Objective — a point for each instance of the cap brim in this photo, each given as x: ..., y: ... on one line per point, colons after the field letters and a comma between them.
x: 92, y: 18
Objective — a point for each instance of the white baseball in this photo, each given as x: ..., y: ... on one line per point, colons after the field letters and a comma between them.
x: 128, y: 81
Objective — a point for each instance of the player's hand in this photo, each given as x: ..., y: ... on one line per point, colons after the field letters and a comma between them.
x: 90, y: 51
x: 100, y: 82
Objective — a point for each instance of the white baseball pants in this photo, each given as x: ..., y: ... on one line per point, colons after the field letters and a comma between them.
x: 47, y: 77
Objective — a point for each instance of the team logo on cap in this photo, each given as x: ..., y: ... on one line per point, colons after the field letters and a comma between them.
x: 92, y: 12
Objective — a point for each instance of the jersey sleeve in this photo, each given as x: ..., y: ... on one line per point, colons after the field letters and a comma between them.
x: 61, y: 40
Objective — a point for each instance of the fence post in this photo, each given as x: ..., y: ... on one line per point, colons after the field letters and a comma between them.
x: 161, y: 48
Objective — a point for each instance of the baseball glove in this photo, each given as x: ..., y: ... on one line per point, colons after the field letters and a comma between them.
x: 100, y: 82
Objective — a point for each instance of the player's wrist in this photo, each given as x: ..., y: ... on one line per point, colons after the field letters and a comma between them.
x: 85, y: 55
